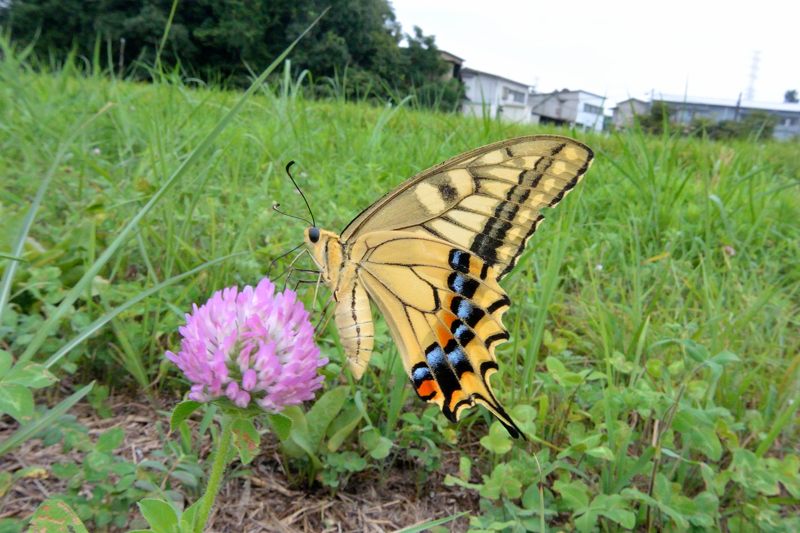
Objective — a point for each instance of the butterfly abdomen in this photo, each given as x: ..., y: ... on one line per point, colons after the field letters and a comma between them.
x: 354, y: 322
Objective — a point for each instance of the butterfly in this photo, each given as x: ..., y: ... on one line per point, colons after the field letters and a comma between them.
x: 430, y: 254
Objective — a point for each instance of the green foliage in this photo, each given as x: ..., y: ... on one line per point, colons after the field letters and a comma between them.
x: 658, y: 119
x: 213, y: 39
x: 753, y: 125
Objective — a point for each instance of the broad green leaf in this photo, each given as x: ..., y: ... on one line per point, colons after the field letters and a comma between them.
x: 110, y: 440
x: 181, y: 412
x: 751, y: 472
x: 788, y: 472
x: 98, y: 461
x: 323, y: 412
x: 55, y: 516
x: 586, y: 522
x: 502, y: 482
x: 16, y: 400
x: 696, y: 351
x: 575, y: 494
x: 299, y: 434
x: 160, y: 515
x: 497, y: 440
x: 281, y: 425
x: 188, y: 520
x: 5, y: 363
x: 560, y: 373
x: 601, y: 452
x: 246, y: 439
x: 623, y: 517
x: 525, y: 417
x: 351, y: 418
x: 725, y: 357
x: 376, y: 444
x: 698, y: 431
x: 30, y: 375
x: 681, y: 523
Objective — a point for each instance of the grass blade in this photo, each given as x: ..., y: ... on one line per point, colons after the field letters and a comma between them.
x: 424, y: 526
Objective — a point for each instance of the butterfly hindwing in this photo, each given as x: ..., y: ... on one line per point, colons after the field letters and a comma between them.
x: 444, y: 307
x: 488, y: 201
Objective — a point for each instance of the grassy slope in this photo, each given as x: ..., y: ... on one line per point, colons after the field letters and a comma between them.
x: 667, y: 239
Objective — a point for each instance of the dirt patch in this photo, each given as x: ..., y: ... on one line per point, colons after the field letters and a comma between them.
x: 258, y: 498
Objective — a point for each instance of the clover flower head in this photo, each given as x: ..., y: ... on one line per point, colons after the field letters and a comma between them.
x: 251, y: 345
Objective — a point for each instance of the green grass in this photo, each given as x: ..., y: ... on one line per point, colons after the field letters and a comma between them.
x: 672, y: 251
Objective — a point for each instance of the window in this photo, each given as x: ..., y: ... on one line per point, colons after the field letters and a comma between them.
x: 594, y: 109
x: 511, y: 94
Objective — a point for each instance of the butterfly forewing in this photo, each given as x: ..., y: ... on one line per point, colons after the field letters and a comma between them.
x: 488, y: 201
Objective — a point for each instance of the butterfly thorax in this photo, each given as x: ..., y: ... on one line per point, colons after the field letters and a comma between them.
x: 327, y: 251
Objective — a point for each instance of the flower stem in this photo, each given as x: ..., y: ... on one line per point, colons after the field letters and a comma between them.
x: 217, y: 470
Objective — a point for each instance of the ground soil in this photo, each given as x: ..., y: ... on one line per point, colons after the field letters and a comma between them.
x: 261, y: 498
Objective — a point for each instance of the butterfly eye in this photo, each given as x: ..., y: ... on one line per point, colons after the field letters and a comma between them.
x: 313, y: 234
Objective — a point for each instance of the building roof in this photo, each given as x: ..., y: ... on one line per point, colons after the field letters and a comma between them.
x: 467, y: 71
x: 726, y: 102
x: 447, y: 56
x: 567, y: 91
x: 630, y: 100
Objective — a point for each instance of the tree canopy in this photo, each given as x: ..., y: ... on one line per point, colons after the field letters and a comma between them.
x: 215, y: 39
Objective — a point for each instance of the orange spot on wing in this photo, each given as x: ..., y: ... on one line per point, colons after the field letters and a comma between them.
x: 443, y: 335
x: 448, y: 318
x: 427, y: 388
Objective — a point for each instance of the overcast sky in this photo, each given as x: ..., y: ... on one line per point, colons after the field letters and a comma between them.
x: 621, y: 48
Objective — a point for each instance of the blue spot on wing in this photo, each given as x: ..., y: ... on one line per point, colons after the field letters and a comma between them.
x: 464, y: 309
x: 459, y: 261
x: 458, y: 358
x: 420, y: 374
x: 458, y: 284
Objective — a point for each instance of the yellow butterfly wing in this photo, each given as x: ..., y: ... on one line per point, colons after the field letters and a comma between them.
x: 488, y: 201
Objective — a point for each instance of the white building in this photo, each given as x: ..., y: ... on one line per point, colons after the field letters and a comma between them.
x: 570, y: 108
x: 495, y: 96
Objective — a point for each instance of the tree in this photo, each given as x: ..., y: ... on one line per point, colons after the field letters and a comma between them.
x: 658, y: 118
x: 230, y: 39
x: 790, y: 97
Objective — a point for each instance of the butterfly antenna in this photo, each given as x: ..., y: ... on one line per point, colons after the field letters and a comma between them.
x: 274, y: 261
x: 276, y: 207
x: 310, y: 212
